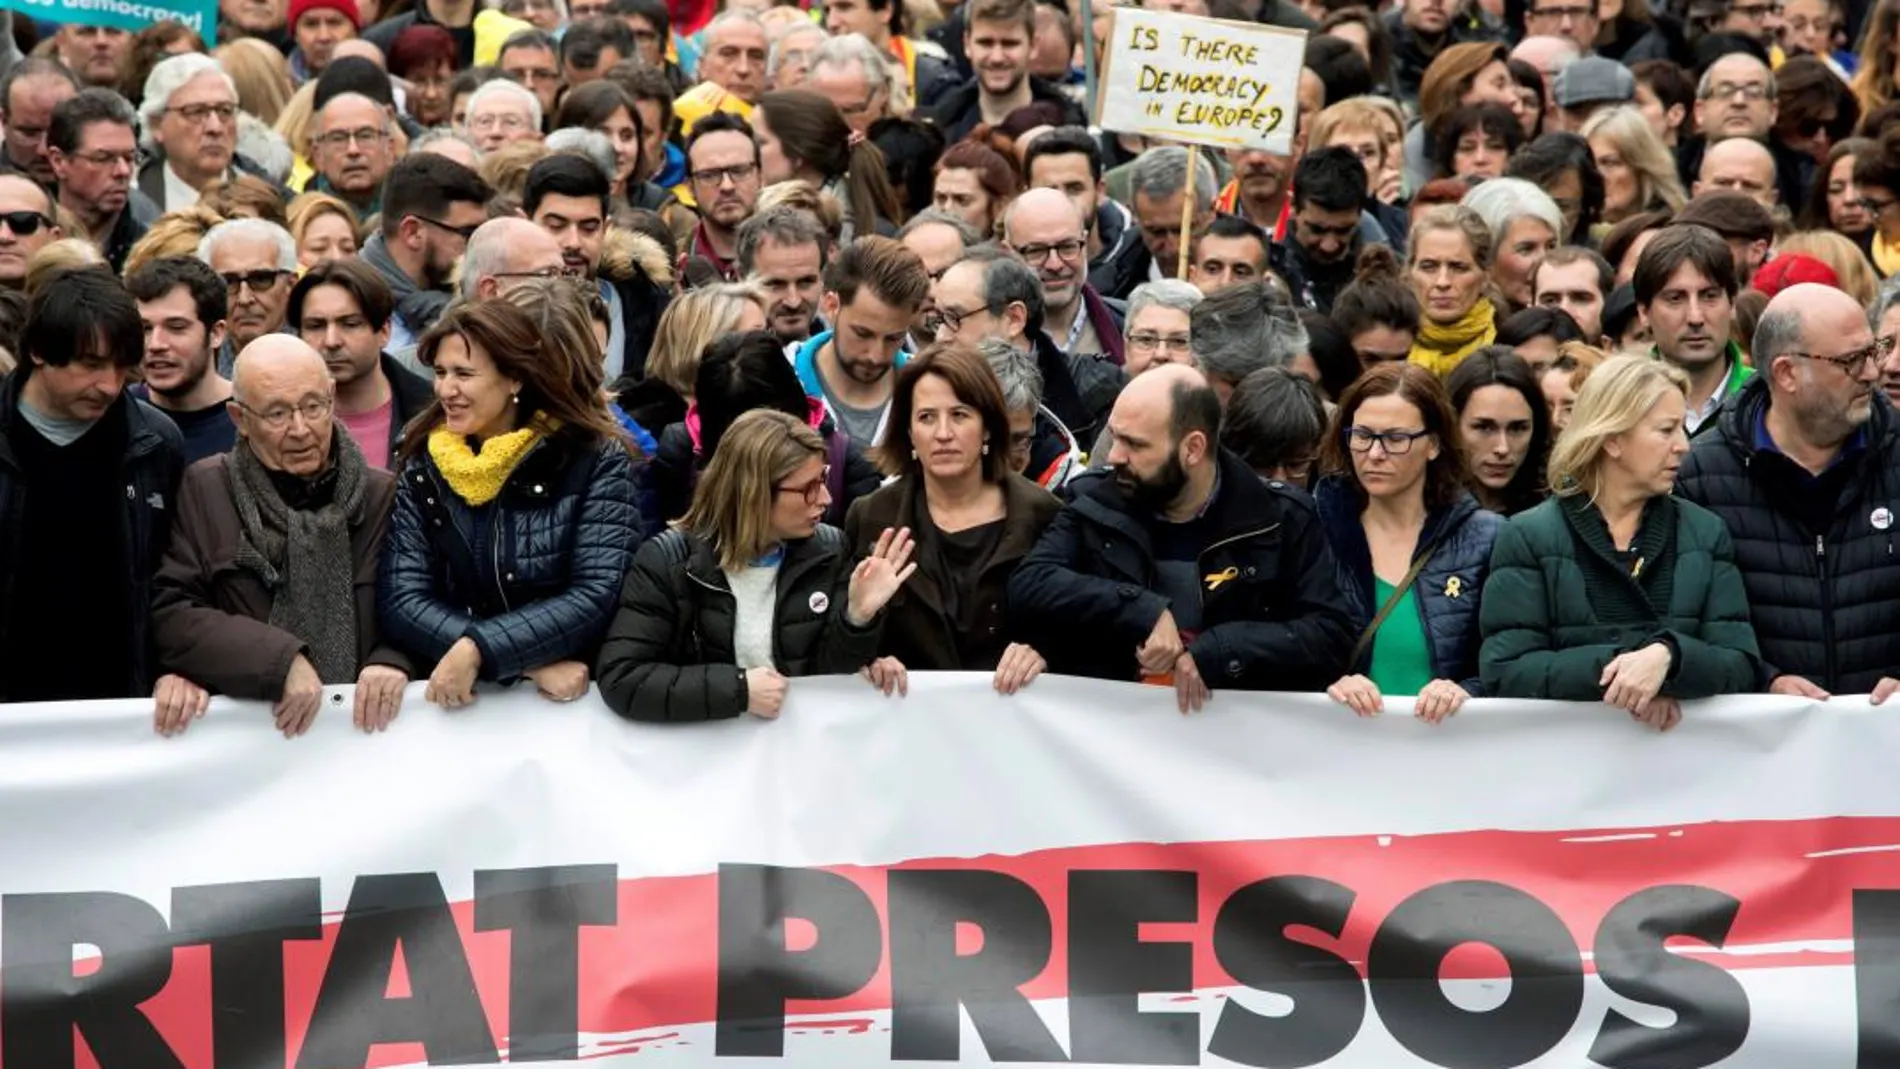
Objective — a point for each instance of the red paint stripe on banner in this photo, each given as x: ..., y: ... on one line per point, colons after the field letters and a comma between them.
x: 655, y: 969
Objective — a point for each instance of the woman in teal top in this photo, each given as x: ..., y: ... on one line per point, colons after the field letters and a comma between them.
x: 1411, y: 543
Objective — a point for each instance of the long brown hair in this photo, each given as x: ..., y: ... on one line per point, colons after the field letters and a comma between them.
x: 1413, y: 384
x: 561, y: 385
x: 812, y: 129
x: 973, y: 382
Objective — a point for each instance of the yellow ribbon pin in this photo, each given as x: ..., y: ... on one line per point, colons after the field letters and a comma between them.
x: 1454, y: 587
x: 1215, y: 580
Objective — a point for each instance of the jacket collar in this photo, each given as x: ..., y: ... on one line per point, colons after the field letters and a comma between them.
x: 1744, y: 413
x: 1103, y: 321
x: 142, y: 432
x: 801, y: 556
x: 1242, y: 504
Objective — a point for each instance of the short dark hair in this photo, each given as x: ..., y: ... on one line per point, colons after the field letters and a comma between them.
x: 1486, y: 118
x: 888, y: 268
x: 536, y: 39
x: 156, y: 278
x: 352, y: 74
x: 568, y: 175
x: 1566, y: 255
x: 1524, y: 326
x: 654, y: 11
x: 1233, y: 228
x: 584, y: 41
x: 425, y: 183
x: 1622, y: 237
x: 1341, y: 69
x: 720, y: 122
x: 1331, y: 351
x: 1669, y: 82
x: 353, y: 276
x: 1331, y: 179
x: 82, y: 313
x: 1732, y: 214
x: 1545, y: 160
x: 1008, y: 280
x: 33, y: 67
x: 1065, y: 141
x: 646, y: 83
x: 1194, y: 406
x: 1678, y: 244
x: 741, y: 372
x: 72, y: 115
x: 1274, y: 417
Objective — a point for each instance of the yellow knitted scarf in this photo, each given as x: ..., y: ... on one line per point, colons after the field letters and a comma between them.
x: 478, y: 477
x: 1441, y: 347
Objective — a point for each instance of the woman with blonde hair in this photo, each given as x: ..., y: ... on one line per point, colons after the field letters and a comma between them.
x: 1880, y: 41
x: 1365, y: 126
x: 749, y: 588
x: 293, y: 125
x: 1851, y: 267
x: 56, y: 257
x: 1449, y: 264
x: 1639, y: 174
x: 262, y: 75
x: 243, y: 196
x: 1615, y: 590
x: 692, y: 321
x: 325, y: 228
x: 176, y: 233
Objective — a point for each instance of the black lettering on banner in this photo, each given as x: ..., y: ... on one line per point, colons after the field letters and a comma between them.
x: 443, y: 1011
x: 1110, y: 967
x: 246, y: 926
x: 43, y: 1004
x: 1711, y: 1006
x: 1877, y: 977
x: 929, y: 979
x: 1252, y: 945
x: 1546, y: 972
x: 543, y: 911
x: 758, y: 975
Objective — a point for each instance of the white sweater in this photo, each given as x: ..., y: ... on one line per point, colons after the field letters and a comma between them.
x: 755, y: 598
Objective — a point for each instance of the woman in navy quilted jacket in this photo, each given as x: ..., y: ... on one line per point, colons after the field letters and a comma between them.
x: 1411, y: 544
x: 515, y: 517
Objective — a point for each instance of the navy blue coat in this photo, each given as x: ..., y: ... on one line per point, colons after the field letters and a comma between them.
x: 1448, y: 610
x: 532, y: 576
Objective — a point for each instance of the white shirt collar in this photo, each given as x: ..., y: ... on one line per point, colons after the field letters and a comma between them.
x: 178, y: 192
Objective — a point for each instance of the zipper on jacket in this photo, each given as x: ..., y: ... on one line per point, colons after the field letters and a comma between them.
x: 1827, y: 610
x: 494, y: 540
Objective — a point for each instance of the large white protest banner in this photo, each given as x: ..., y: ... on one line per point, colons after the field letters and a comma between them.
x: 1077, y: 873
x: 1201, y: 81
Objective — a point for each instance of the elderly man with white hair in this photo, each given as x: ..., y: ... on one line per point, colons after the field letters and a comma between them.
x: 190, y: 122
x: 788, y: 64
x: 257, y: 259
x: 501, y: 113
x: 850, y: 72
x: 734, y: 55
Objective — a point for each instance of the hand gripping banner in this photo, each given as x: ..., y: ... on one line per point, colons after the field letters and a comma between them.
x: 1075, y: 874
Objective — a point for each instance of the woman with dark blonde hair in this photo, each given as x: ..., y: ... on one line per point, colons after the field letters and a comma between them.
x: 1449, y: 267
x: 515, y: 519
x: 1616, y: 590
x: 1874, y: 82
x: 1410, y: 543
x: 749, y: 589
x: 948, y: 452
x: 324, y: 228
x: 803, y: 135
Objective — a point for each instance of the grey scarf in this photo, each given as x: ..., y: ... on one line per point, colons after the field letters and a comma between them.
x: 303, y: 555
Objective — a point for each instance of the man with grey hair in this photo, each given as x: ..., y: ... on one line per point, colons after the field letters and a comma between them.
x: 503, y: 253
x: 1804, y: 455
x: 1041, y: 448
x: 990, y: 293
x: 591, y: 145
x: 451, y: 144
x: 501, y: 113
x: 1045, y: 229
x: 1158, y: 180
x: 1242, y: 329
x: 190, y: 117
x: 29, y: 92
x: 92, y: 145
x: 850, y: 72
x: 782, y: 252
x: 788, y: 65
x: 733, y: 57
x: 1884, y: 318
x: 939, y: 239
x: 257, y: 259
x: 1159, y: 324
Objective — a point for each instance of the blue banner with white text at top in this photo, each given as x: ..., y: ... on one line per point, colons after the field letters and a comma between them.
x: 129, y: 15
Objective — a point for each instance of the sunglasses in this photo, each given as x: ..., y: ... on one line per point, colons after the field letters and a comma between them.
x: 24, y: 224
x: 262, y: 281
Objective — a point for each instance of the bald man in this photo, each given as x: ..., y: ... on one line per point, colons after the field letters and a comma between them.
x: 1045, y: 228
x: 1803, y: 457
x: 1736, y: 98
x: 1549, y: 54
x: 1740, y: 165
x: 503, y: 253
x: 1243, y: 592
x: 266, y: 592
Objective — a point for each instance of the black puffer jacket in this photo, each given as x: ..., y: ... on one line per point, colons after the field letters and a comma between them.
x: 1819, y: 561
x: 530, y: 576
x: 1272, y: 613
x: 1447, y: 591
x: 669, y: 655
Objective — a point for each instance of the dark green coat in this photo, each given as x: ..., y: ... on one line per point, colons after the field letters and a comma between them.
x: 1560, y: 603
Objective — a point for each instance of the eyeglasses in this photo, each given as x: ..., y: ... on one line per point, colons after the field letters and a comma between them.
x: 1853, y: 363
x: 545, y: 273
x: 950, y: 319
x: 1021, y: 441
x: 1395, y: 443
x: 530, y: 76
x: 463, y: 232
x: 134, y: 159
x: 196, y: 114
x: 368, y: 135
x: 813, y: 492
x: 1558, y: 14
x: 1747, y: 90
x: 717, y: 176
x: 1752, y: 11
x: 24, y: 224
x: 1067, y: 250
x: 260, y: 281
x: 1148, y: 341
x: 506, y: 120
x: 1295, y: 470
x: 1869, y: 204
x: 314, y: 411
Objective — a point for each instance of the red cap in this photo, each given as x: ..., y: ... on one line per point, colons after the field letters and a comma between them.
x: 1793, y: 269
x: 347, y: 8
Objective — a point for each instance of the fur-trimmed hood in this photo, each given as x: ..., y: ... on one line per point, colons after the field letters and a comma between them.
x: 622, y: 251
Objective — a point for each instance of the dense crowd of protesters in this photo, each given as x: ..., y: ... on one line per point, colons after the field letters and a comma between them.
x: 687, y: 348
